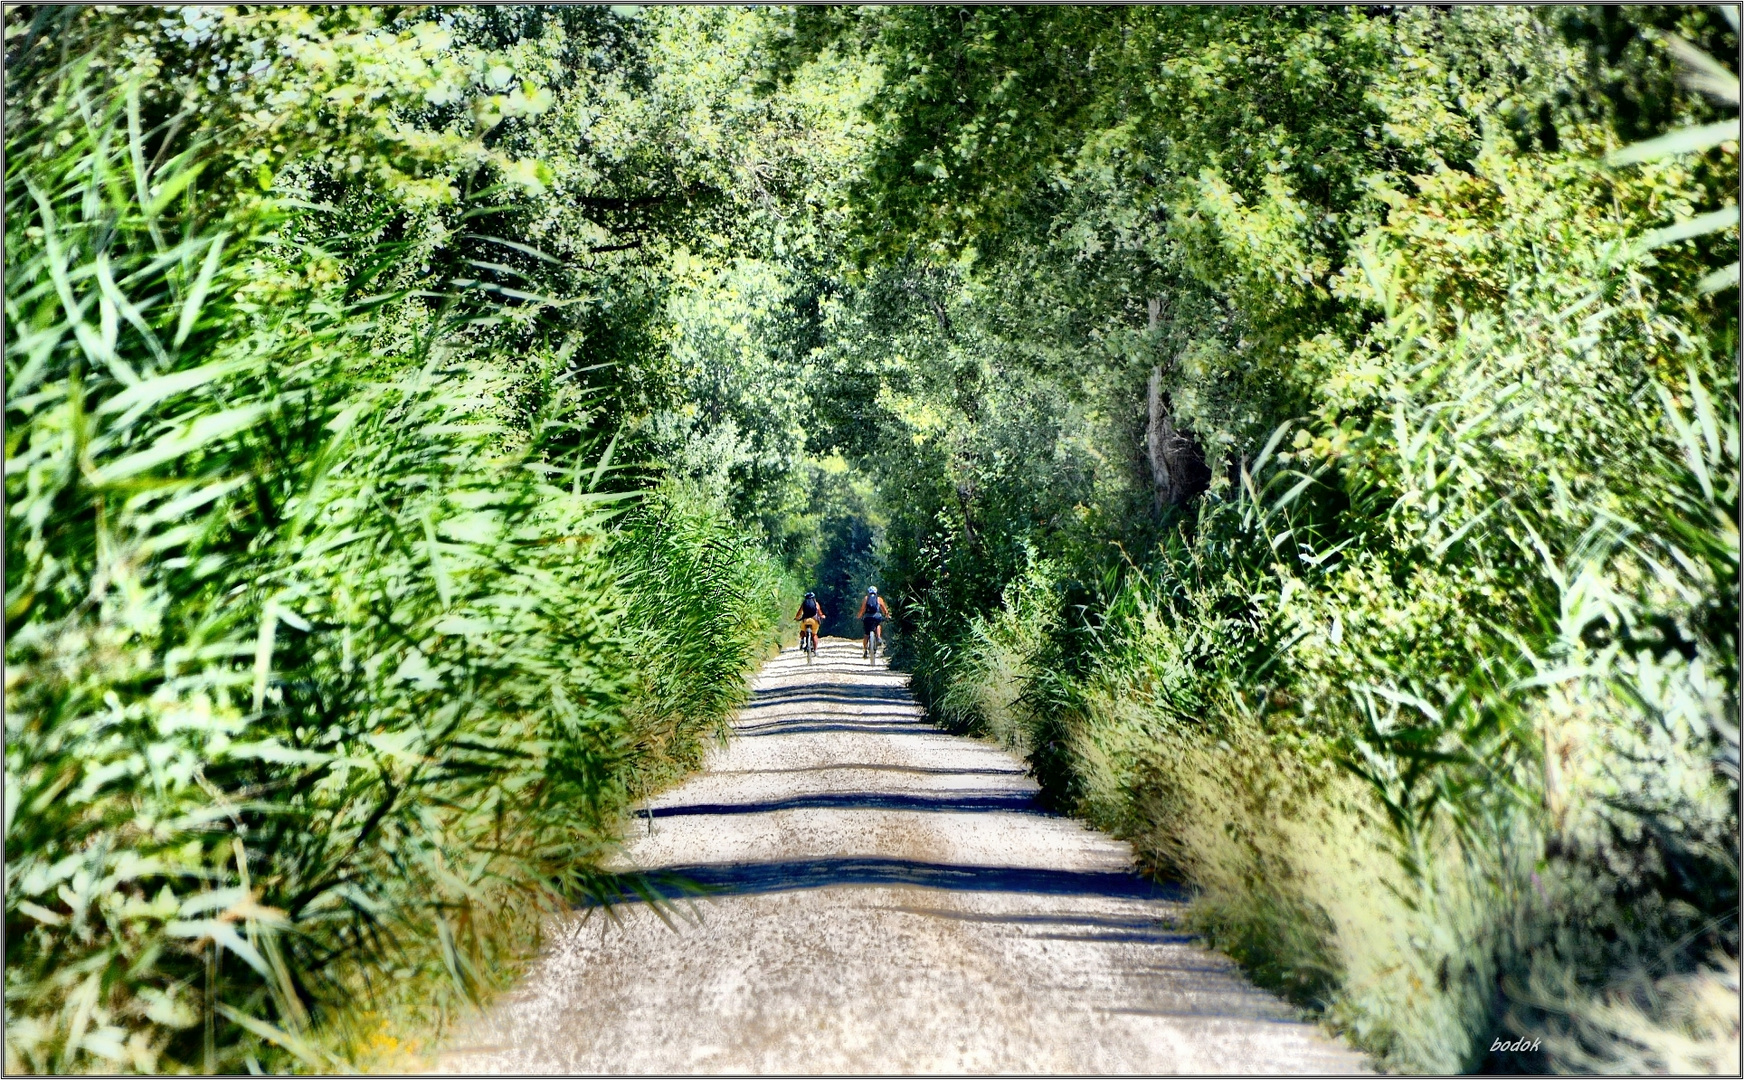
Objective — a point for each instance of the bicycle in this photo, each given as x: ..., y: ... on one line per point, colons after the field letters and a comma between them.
x: 808, y: 639
x: 871, y: 615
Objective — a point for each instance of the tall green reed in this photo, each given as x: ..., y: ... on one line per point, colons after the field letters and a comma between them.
x: 319, y: 683
x: 1467, y: 634
x: 706, y: 606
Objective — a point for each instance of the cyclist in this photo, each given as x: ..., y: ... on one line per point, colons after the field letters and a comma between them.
x: 871, y: 616
x: 810, y: 616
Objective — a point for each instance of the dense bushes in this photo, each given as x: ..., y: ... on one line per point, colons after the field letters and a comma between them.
x: 330, y: 665
x: 706, y: 605
x: 1309, y: 436
x: 1433, y: 692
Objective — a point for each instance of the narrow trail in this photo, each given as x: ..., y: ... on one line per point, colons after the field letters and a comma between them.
x: 892, y: 900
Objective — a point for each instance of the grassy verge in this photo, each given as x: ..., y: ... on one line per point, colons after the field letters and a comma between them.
x: 1426, y: 945
x: 1432, y: 695
x: 1423, y: 945
x: 325, y: 682
x: 709, y: 606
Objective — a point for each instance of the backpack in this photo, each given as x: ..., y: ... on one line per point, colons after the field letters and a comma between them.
x: 809, y: 609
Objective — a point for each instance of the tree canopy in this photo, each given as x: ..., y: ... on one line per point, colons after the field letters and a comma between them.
x: 1307, y: 434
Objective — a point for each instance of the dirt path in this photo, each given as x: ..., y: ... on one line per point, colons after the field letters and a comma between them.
x: 894, y: 901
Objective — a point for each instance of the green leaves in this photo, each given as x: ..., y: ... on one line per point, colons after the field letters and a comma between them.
x: 318, y: 692
x: 197, y: 293
x: 184, y: 440
x: 1701, y: 225
x: 1691, y: 140
x: 1468, y: 535
x: 1706, y: 75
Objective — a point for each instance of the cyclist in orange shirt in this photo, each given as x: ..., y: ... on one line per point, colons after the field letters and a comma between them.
x: 810, y: 616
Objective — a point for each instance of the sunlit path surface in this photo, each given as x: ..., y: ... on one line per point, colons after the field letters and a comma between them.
x: 889, y: 899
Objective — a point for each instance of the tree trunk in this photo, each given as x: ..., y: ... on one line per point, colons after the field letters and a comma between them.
x: 1177, y: 467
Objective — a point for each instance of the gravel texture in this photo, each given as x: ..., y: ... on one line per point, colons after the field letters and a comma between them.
x: 887, y: 899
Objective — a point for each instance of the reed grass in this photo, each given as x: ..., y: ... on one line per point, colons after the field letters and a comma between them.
x: 324, y: 683
x: 1436, y: 706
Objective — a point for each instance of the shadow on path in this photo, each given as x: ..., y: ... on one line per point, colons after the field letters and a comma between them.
x: 1151, y: 927
x: 840, y: 693
x: 915, y: 770
x: 806, y: 727
x: 752, y: 878
x: 1012, y: 802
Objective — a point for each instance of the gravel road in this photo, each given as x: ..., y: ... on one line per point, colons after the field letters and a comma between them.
x: 891, y: 899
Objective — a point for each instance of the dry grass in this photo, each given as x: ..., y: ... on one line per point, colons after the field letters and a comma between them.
x: 1677, y: 1025
x: 1298, y: 877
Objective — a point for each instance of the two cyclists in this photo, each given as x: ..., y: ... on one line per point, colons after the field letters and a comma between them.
x: 873, y: 611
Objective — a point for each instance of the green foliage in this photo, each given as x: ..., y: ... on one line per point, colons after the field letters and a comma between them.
x: 1458, y: 614
x: 328, y: 671
x: 851, y: 548
x: 418, y: 420
x: 707, y: 606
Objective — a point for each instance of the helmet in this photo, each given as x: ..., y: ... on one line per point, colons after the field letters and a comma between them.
x: 809, y: 596
x: 871, y: 590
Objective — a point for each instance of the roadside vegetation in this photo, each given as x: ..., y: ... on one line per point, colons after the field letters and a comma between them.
x: 342, y: 622
x: 1308, y: 436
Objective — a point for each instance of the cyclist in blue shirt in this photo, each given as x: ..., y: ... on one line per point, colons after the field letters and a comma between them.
x: 871, y: 616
